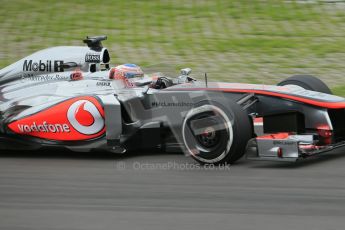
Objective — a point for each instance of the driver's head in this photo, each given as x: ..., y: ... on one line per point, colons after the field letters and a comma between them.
x: 126, y: 72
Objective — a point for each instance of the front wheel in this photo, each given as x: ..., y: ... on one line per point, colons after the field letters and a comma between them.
x: 308, y: 82
x: 213, y: 134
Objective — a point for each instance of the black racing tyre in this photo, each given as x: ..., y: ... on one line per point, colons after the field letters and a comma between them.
x: 213, y: 134
x: 308, y: 82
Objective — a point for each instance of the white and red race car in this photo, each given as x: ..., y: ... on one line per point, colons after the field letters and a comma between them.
x: 65, y: 97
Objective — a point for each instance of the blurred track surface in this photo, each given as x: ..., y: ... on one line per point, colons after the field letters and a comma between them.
x: 64, y: 190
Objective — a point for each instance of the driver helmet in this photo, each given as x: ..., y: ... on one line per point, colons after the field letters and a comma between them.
x: 126, y: 72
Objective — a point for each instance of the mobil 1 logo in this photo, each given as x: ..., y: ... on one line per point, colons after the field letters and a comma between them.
x: 43, y: 66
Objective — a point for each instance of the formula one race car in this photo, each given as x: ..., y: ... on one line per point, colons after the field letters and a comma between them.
x: 69, y: 97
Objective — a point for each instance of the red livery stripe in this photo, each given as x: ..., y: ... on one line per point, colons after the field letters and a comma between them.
x: 323, y: 104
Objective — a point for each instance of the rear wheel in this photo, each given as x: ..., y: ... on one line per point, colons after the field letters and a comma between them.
x: 308, y: 82
x: 213, y: 134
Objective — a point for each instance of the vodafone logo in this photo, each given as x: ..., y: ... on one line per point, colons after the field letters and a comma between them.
x: 85, y: 117
x: 76, y: 119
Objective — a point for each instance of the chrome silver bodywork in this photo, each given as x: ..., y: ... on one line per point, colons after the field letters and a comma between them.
x: 45, y: 79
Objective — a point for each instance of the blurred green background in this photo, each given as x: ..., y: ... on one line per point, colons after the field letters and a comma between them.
x: 253, y: 41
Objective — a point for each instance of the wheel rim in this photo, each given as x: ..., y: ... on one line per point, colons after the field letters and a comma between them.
x: 211, y: 144
x: 208, y: 138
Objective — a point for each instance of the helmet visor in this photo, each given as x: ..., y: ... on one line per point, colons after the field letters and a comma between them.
x: 133, y: 74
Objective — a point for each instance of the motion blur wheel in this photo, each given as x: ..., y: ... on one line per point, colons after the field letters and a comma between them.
x: 308, y: 82
x: 209, y: 138
x: 213, y: 134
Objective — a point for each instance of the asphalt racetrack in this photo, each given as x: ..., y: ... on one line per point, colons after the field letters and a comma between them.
x: 64, y: 190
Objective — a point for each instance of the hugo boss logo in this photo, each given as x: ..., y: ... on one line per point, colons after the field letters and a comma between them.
x: 94, y: 58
